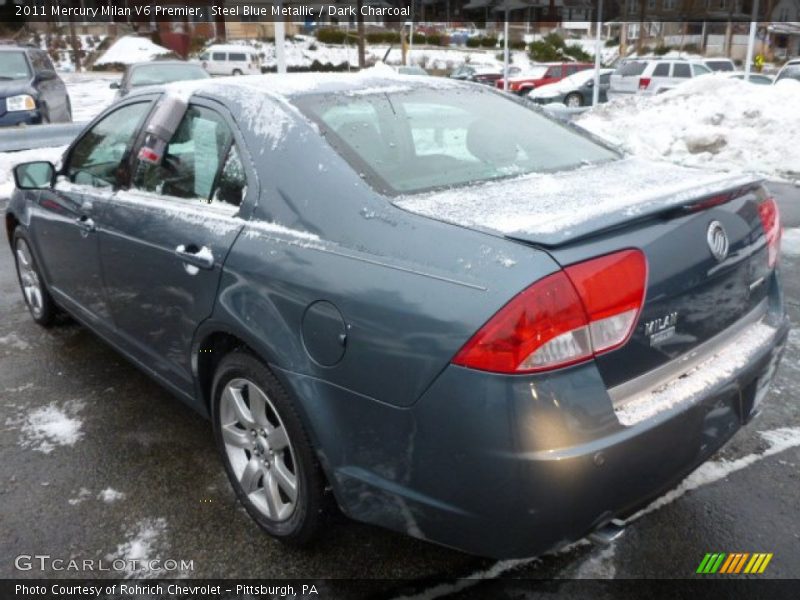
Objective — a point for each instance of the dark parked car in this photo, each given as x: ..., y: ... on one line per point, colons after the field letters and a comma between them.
x: 31, y: 91
x: 436, y: 307
x: 481, y: 74
x: 157, y: 72
x: 574, y: 91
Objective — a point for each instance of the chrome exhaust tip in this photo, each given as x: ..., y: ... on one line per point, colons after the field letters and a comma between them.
x: 606, y: 534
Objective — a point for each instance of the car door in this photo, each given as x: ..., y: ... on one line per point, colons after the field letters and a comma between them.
x: 64, y: 221
x: 164, y: 240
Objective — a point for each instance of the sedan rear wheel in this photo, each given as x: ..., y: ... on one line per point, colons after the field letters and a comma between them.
x: 265, y: 449
x: 37, y: 298
x: 574, y: 100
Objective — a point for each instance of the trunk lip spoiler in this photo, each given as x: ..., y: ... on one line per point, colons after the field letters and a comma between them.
x: 727, y: 191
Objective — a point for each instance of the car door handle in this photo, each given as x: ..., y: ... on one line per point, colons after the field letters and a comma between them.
x: 85, y: 223
x: 199, y: 257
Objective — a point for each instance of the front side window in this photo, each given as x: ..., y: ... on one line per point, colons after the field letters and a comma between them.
x: 218, y: 56
x: 98, y: 159
x: 700, y: 70
x: 193, y: 161
x: 421, y: 139
x: 13, y: 65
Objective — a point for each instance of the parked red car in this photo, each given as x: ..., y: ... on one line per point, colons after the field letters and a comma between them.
x: 541, y: 74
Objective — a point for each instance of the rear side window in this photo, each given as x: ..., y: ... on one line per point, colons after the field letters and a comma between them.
x: 632, y: 69
x: 681, y: 70
x: 661, y: 70
x: 200, y: 151
x: 99, y: 156
x: 237, y: 56
x: 218, y: 56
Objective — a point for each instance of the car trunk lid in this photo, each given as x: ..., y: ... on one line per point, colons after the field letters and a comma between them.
x: 672, y: 214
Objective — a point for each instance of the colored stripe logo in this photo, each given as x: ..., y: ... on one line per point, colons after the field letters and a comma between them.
x: 734, y: 563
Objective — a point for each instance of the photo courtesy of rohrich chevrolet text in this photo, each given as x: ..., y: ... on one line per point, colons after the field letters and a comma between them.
x: 380, y: 299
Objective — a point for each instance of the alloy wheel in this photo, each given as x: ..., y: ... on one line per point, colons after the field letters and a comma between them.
x: 29, y: 278
x: 259, y: 449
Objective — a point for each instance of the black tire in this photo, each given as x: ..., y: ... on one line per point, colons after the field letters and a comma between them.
x: 237, y: 72
x: 573, y: 99
x: 43, y: 309
x: 307, y: 514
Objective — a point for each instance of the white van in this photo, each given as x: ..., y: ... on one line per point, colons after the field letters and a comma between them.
x: 222, y: 59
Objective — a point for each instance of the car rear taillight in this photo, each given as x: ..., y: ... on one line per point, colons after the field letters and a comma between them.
x: 771, y: 221
x: 566, y: 318
x: 644, y: 82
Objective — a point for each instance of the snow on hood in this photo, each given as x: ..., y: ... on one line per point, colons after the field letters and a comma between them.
x: 131, y: 49
x: 551, y: 208
x: 714, y: 122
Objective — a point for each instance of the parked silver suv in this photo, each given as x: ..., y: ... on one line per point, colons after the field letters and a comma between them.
x: 652, y: 75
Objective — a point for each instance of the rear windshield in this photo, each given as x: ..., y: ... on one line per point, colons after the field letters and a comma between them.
x: 411, y: 141
x: 13, y: 66
x: 154, y: 74
x: 629, y: 69
x: 790, y: 72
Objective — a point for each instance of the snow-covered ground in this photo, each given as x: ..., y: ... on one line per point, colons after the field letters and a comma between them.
x: 89, y: 93
x: 711, y: 122
x: 131, y: 49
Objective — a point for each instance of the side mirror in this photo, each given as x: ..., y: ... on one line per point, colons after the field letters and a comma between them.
x: 590, y: 83
x: 115, y: 85
x: 34, y: 175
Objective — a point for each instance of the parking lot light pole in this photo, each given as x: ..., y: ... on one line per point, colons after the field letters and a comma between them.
x: 505, y: 51
x: 597, y: 48
x: 751, y: 41
x: 280, y: 39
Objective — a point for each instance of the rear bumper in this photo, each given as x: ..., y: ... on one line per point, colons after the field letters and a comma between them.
x: 514, y: 466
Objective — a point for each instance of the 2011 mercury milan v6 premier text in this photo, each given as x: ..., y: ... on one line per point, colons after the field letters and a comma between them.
x: 424, y: 301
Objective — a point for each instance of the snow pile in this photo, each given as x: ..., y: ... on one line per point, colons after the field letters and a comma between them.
x: 14, y: 342
x: 110, y: 495
x: 131, y: 49
x: 83, y: 494
x: 8, y: 160
x: 49, y: 426
x: 713, y: 122
x: 790, y: 242
x: 142, y: 546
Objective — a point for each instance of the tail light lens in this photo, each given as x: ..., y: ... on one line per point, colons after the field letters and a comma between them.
x: 644, y: 82
x: 771, y: 222
x: 566, y: 318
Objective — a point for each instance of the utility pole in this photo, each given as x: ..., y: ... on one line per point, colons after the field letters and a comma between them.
x: 597, y: 50
x: 362, y: 53
x: 76, y: 45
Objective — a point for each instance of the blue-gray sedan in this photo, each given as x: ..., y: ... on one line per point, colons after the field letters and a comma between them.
x: 420, y: 300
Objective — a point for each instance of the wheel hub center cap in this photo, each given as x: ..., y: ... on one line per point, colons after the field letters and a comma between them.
x: 261, y: 445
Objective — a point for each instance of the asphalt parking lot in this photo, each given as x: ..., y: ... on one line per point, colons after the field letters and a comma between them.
x: 98, y: 462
